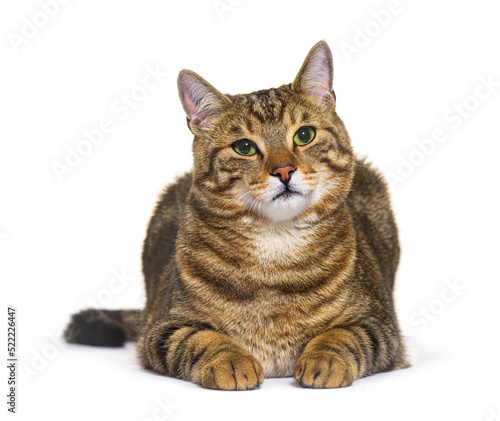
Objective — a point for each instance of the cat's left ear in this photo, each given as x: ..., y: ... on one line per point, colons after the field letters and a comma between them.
x: 200, y: 100
x: 315, y: 77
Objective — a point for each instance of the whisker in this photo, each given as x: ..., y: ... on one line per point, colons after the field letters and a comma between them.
x: 330, y: 193
x: 233, y: 201
x: 254, y: 204
x: 194, y: 196
x: 242, y: 196
x: 223, y: 207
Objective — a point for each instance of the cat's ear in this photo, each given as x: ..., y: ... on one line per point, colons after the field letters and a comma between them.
x: 315, y: 77
x: 200, y: 100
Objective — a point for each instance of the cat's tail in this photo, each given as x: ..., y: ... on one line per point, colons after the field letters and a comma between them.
x: 104, y: 327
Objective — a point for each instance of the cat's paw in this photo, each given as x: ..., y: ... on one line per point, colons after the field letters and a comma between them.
x: 322, y: 370
x: 232, y: 372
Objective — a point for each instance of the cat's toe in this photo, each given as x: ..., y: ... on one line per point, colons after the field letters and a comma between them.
x: 322, y: 370
x: 232, y: 372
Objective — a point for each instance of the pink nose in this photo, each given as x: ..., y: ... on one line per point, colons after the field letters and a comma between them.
x: 284, y: 172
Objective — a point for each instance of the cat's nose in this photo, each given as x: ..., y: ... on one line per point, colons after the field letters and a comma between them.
x: 284, y: 173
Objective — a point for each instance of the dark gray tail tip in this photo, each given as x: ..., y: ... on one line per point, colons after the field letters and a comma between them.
x: 88, y: 327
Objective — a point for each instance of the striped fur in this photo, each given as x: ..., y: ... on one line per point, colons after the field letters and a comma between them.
x: 241, y: 285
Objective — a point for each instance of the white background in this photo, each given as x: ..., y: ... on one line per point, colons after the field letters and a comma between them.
x: 61, y: 241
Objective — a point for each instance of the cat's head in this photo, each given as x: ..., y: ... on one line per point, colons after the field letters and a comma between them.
x: 276, y: 154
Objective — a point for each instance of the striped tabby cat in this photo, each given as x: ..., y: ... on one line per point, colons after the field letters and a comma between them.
x: 275, y: 257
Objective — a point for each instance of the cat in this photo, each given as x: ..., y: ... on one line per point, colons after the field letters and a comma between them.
x: 274, y: 257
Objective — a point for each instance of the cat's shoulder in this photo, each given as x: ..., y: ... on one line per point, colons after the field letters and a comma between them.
x: 367, y: 180
x: 177, y: 191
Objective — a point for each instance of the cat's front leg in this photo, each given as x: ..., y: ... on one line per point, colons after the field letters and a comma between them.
x: 340, y: 356
x: 200, y: 355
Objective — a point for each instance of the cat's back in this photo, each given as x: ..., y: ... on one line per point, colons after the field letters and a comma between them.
x: 370, y: 205
x: 159, y: 245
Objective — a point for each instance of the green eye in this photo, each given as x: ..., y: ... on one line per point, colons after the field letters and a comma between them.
x: 304, y: 135
x: 245, y: 147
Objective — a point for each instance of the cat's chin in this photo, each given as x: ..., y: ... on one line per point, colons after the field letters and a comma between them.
x: 286, y: 206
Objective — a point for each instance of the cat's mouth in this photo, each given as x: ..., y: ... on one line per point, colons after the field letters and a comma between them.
x: 285, y: 194
x: 284, y: 204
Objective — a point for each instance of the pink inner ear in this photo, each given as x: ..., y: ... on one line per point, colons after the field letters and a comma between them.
x: 317, y: 76
x: 191, y: 99
x: 190, y: 108
x: 197, y: 98
x: 317, y: 79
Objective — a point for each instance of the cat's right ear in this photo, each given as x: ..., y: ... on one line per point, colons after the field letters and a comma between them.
x: 200, y: 100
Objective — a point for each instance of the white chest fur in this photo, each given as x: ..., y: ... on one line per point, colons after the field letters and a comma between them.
x: 281, y: 243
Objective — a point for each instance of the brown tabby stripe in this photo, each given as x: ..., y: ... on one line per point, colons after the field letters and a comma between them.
x: 348, y: 347
x: 257, y: 113
x: 337, y: 141
x: 177, y: 350
x: 160, y: 343
x: 218, y: 285
x: 334, y: 167
x: 377, y: 346
x: 293, y: 116
x: 211, y: 161
x: 345, y: 346
x: 185, y: 352
x: 235, y: 130
x: 281, y: 112
x: 248, y: 124
x: 226, y: 186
